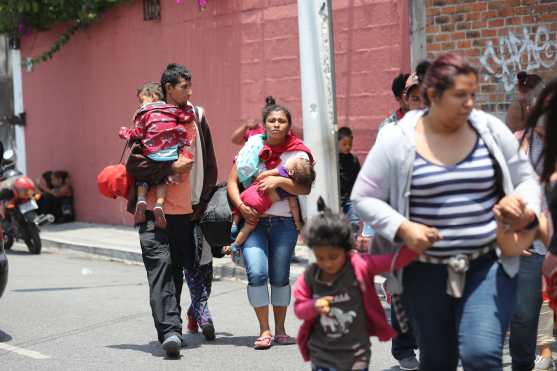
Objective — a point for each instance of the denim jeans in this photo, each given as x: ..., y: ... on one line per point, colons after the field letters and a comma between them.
x: 267, y: 253
x: 403, y: 345
x: 353, y: 219
x: 472, y: 327
x: 524, y: 323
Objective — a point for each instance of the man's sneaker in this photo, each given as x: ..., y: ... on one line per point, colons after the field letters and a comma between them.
x: 172, y: 345
x: 543, y: 363
x: 208, y: 331
x: 410, y: 363
x: 192, y: 326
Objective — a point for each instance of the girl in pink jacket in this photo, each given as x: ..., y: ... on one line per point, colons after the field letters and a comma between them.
x: 336, y: 298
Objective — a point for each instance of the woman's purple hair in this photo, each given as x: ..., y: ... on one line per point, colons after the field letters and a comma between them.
x: 441, y: 74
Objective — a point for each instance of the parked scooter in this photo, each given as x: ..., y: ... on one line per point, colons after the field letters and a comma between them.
x: 19, y: 196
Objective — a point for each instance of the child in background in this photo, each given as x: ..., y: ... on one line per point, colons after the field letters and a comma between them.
x: 163, y: 131
x: 336, y: 298
x: 349, y: 167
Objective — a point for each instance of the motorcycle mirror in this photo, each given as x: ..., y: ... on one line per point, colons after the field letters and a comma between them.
x: 8, y: 155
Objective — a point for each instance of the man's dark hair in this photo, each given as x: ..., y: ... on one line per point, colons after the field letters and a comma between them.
x: 398, y: 84
x: 172, y: 75
x: 303, y: 173
x: 344, y: 132
x: 421, y: 69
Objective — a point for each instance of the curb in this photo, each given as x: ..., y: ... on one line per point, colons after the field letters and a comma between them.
x: 221, y: 271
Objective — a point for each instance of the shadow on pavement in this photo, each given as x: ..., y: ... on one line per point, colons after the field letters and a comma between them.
x: 229, y: 339
x: 4, y: 337
x: 154, y: 348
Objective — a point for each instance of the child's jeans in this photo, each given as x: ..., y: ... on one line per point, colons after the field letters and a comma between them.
x: 353, y: 219
x: 199, y: 280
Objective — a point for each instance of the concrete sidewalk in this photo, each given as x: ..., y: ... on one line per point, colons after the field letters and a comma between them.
x: 122, y: 243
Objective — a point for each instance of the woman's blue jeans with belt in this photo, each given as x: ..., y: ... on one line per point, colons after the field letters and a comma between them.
x: 267, y: 253
x: 472, y: 327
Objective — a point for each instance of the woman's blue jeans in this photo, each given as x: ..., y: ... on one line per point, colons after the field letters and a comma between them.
x: 472, y: 327
x: 267, y: 253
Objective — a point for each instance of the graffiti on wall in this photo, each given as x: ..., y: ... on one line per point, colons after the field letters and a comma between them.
x: 516, y: 53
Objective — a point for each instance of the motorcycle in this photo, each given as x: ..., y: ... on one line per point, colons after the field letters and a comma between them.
x: 19, y: 196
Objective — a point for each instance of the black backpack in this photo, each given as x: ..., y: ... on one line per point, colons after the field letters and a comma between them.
x: 217, y: 219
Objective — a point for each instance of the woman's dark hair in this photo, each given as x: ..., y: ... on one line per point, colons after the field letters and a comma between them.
x: 441, y: 74
x: 546, y: 108
x: 328, y: 229
x: 398, y: 84
x: 272, y: 106
x: 421, y: 69
x: 344, y: 132
x: 172, y: 74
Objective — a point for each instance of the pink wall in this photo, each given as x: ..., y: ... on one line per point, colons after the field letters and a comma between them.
x: 239, y: 52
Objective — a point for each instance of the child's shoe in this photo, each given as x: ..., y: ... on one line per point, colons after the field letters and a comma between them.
x: 160, y: 220
x: 543, y: 363
x: 139, y: 215
x: 208, y: 331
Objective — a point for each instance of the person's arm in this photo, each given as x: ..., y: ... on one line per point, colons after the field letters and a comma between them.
x: 304, y: 304
x: 238, y: 134
x: 523, y: 176
x: 64, y: 191
x: 514, y: 243
x: 377, y: 264
x: 249, y: 214
x: 274, y: 182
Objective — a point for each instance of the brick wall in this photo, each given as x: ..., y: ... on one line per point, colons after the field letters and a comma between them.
x: 501, y: 37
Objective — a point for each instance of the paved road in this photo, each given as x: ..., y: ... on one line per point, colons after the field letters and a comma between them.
x: 66, y: 311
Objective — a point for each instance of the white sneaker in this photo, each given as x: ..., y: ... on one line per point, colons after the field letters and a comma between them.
x: 543, y: 363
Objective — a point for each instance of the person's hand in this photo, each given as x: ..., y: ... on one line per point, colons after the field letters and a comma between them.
x: 249, y: 214
x: 323, y: 305
x: 226, y: 250
x: 269, y: 183
x: 418, y: 237
x: 265, y: 174
x: 197, y: 213
x: 512, y: 211
x: 251, y: 124
x: 182, y: 165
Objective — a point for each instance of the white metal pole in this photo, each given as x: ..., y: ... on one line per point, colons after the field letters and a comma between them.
x: 15, y: 61
x: 318, y: 99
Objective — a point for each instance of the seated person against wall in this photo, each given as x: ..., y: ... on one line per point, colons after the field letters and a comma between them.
x: 57, y: 196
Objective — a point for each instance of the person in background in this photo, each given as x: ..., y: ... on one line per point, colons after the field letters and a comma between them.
x: 203, y: 178
x: 397, y: 88
x: 348, y: 166
x: 57, y: 196
x: 527, y: 88
x: 252, y: 127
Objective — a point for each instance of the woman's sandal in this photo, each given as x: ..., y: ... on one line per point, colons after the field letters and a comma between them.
x: 284, y: 340
x: 263, y: 342
x: 160, y: 220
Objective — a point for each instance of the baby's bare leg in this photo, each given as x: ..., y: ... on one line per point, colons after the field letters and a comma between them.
x: 141, y: 205
x: 295, y: 210
x: 160, y: 220
x: 244, y: 233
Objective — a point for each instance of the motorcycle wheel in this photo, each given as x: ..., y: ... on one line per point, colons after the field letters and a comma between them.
x: 33, y: 239
x: 8, y: 241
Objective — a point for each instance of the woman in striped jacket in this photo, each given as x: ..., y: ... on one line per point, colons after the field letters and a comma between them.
x: 432, y: 183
